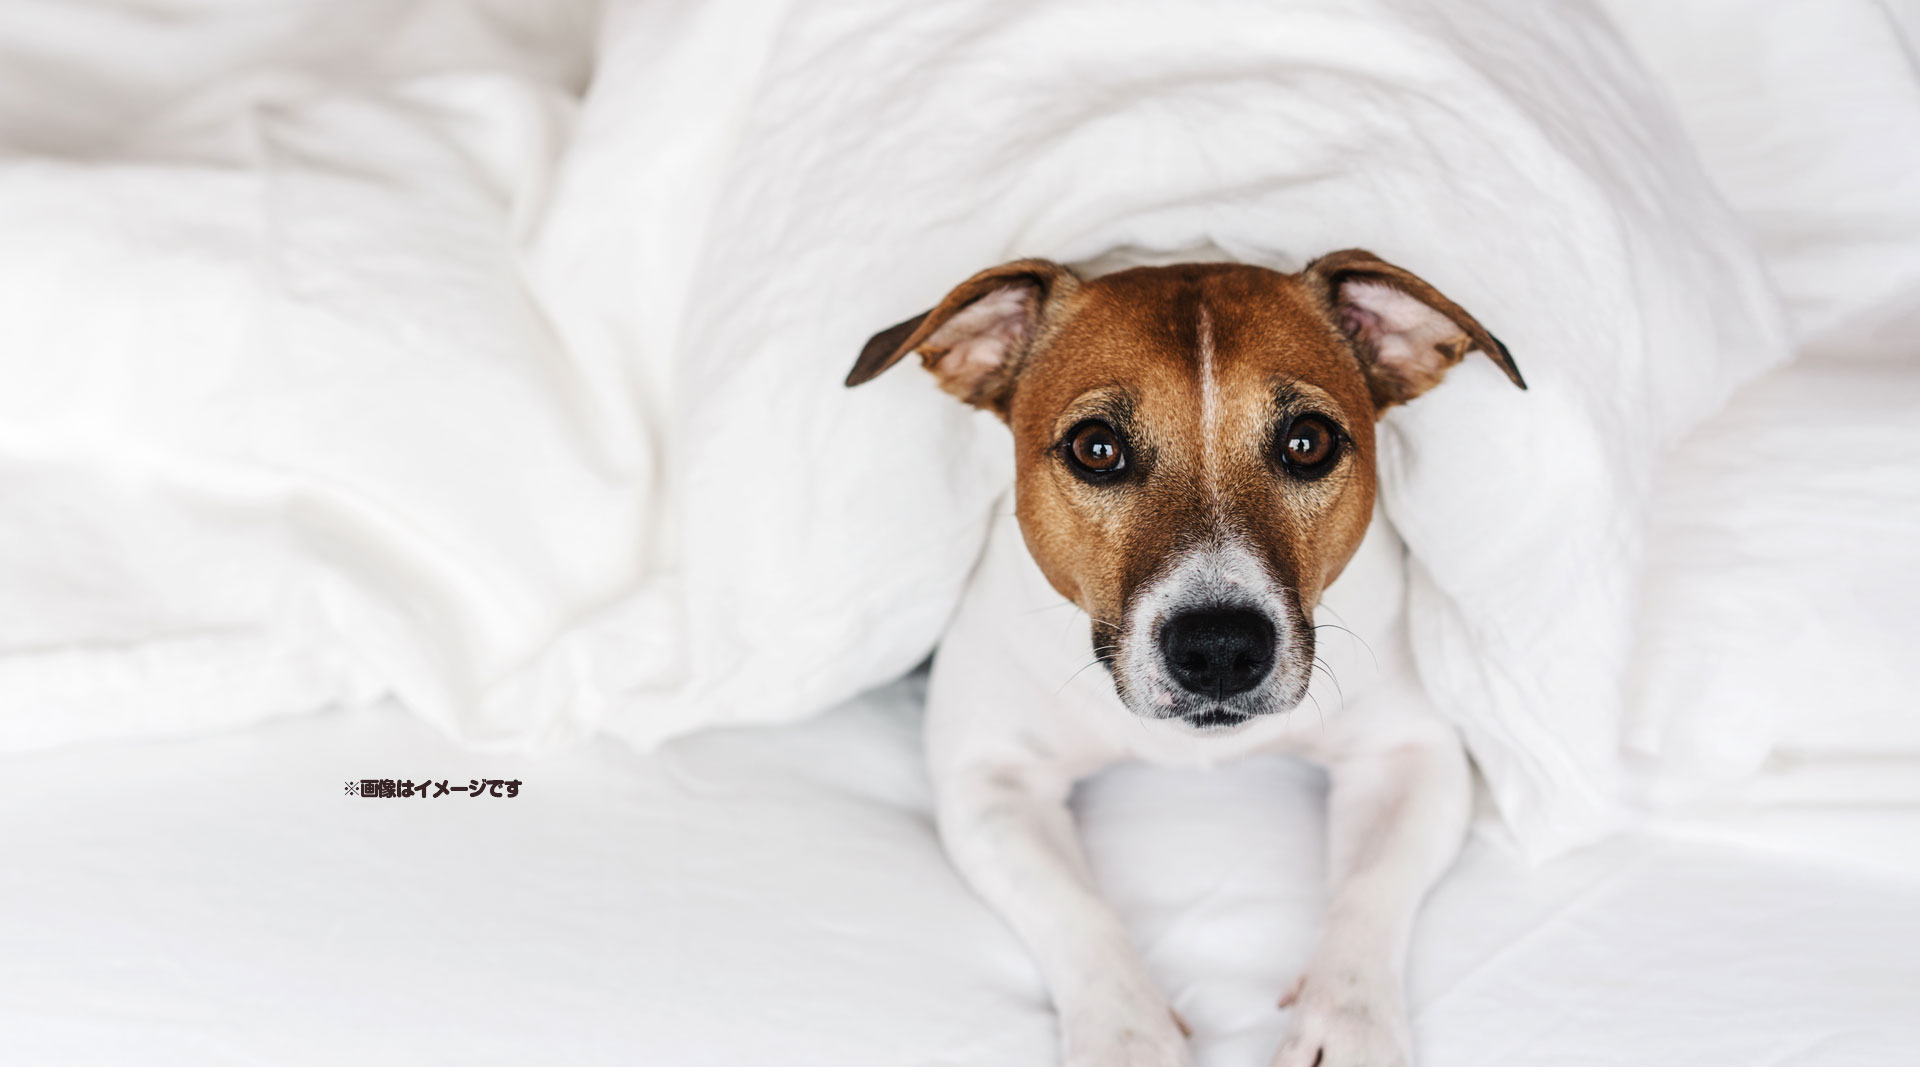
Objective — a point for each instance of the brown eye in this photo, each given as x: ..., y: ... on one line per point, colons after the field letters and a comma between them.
x: 1309, y: 447
x: 1095, y: 450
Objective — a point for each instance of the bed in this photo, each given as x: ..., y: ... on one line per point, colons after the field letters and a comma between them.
x: 337, y: 340
x: 777, y: 896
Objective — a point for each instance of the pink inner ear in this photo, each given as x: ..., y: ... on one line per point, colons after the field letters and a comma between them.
x: 977, y: 341
x: 1359, y: 323
x: 1397, y: 329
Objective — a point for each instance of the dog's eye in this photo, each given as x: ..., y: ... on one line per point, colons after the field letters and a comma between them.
x: 1095, y: 450
x: 1309, y: 447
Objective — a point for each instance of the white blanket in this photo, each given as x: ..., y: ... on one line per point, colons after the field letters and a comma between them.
x: 280, y: 425
x: 352, y: 363
x: 777, y: 898
x: 1512, y: 154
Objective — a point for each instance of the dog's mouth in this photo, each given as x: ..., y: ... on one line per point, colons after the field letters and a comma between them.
x: 1213, y: 643
x: 1217, y: 718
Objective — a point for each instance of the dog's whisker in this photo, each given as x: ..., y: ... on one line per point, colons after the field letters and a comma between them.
x: 1083, y: 668
x: 1065, y: 603
x: 1048, y: 607
x: 1327, y: 668
x: 1349, y: 632
x: 1075, y: 674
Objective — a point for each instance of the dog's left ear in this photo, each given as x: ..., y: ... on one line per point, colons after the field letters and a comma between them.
x: 975, y: 340
x: 1407, y: 333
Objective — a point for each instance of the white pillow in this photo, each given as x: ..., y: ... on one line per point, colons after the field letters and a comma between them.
x: 1780, y: 584
x: 281, y: 426
x: 1783, y: 580
x: 1510, y: 153
x: 1806, y: 113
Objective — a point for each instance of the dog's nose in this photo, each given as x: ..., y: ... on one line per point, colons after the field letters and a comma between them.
x: 1218, y: 653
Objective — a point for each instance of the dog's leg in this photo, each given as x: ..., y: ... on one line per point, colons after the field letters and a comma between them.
x: 1012, y: 837
x: 1397, y: 815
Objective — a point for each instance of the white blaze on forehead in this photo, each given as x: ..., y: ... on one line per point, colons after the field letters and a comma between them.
x: 1209, y: 402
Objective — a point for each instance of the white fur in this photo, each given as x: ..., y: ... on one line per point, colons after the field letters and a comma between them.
x: 1016, y: 716
x: 1222, y: 574
x: 1209, y: 405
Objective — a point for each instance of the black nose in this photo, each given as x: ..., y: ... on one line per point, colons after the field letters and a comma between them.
x: 1218, y: 653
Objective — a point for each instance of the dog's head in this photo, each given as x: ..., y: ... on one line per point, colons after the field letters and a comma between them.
x: 1194, y: 448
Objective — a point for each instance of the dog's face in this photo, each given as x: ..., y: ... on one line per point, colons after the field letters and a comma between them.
x: 1194, y: 449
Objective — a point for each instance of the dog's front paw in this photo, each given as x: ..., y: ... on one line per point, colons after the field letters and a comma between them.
x: 1346, y: 1020
x: 1138, y: 1031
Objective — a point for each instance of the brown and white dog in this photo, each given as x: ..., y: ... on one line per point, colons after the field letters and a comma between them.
x: 1194, y: 454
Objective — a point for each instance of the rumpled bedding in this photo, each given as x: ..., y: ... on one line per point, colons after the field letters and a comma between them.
x: 368, y: 348
x: 282, y: 423
x: 752, y: 897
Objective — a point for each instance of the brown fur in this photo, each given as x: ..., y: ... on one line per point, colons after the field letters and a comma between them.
x: 1127, y: 348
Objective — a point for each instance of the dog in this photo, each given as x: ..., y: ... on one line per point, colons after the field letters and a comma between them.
x: 1194, y: 469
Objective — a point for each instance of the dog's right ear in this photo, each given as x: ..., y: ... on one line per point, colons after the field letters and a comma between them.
x: 976, y: 339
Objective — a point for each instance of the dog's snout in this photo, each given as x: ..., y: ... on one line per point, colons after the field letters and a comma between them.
x: 1218, y: 653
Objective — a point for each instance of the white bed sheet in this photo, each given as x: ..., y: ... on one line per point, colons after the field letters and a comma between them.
x: 776, y: 897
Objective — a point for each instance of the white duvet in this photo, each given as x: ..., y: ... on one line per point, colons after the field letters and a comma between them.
x: 344, y: 351
x: 753, y: 898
